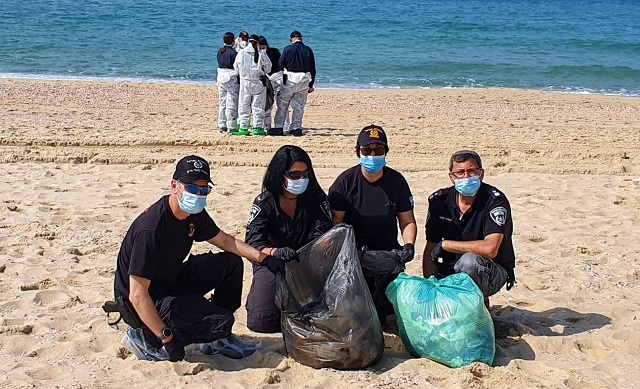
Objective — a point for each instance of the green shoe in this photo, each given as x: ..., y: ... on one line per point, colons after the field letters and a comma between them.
x: 259, y: 132
x: 241, y: 132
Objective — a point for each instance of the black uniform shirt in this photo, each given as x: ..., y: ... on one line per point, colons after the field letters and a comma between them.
x: 226, y: 59
x: 156, y: 245
x: 490, y: 213
x: 269, y: 226
x: 298, y: 58
x: 274, y: 56
x: 372, y: 208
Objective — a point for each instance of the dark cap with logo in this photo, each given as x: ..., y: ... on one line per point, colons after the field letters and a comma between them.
x: 371, y: 135
x: 192, y: 168
x: 295, y: 34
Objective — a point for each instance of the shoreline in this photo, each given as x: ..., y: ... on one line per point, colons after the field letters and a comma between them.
x: 91, y: 156
x: 18, y: 77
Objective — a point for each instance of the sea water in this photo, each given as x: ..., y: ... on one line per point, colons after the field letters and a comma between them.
x: 583, y: 46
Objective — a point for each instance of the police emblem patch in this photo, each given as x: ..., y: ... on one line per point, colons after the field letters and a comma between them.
x: 255, y: 210
x: 326, y: 208
x: 499, y: 215
x: 373, y: 133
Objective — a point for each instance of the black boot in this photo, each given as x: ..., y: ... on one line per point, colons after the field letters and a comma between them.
x: 275, y: 132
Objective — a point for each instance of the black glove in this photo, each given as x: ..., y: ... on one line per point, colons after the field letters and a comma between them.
x: 175, y: 350
x: 275, y: 265
x: 407, y: 253
x: 438, y: 254
x: 287, y: 254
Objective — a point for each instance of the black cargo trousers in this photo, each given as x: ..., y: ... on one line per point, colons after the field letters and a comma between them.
x: 192, y: 317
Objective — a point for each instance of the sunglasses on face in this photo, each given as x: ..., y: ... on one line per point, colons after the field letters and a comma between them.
x: 296, y: 174
x: 366, y: 151
x: 196, y: 190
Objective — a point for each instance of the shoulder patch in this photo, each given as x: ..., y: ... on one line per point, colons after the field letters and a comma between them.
x: 326, y: 208
x: 263, y: 196
x: 436, y: 194
x: 255, y: 210
x: 495, y: 193
x: 499, y: 215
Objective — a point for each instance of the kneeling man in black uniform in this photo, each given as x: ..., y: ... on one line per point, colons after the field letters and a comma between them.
x: 469, y: 228
x: 164, y: 291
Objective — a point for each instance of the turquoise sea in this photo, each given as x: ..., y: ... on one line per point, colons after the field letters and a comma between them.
x: 582, y: 46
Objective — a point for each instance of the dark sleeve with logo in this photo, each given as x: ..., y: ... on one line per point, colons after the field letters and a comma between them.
x: 405, y: 198
x: 261, y: 217
x: 498, y: 215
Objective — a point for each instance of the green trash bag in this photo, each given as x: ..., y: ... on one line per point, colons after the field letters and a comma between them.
x: 443, y: 320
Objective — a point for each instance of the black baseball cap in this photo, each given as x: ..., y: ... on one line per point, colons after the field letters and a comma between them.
x: 295, y: 34
x: 192, y: 168
x: 372, y: 135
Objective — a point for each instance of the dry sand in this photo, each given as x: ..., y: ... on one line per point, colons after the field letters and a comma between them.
x: 80, y: 160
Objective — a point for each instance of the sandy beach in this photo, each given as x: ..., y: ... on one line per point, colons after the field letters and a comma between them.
x: 80, y: 160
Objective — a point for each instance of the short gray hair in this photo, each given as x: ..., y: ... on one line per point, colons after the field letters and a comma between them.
x: 464, y: 155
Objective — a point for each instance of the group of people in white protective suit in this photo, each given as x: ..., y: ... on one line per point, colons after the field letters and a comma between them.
x: 252, y: 76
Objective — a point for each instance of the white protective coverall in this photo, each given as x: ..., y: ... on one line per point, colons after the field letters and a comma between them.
x: 293, y: 93
x: 252, y: 93
x: 228, y: 89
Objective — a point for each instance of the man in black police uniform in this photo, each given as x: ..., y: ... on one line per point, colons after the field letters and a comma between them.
x: 469, y: 228
x: 299, y: 67
x: 375, y: 200
x: 166, y: 293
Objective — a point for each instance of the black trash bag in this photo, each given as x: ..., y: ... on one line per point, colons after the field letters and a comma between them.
x: 380, y: 261
x: 328, y: 316
x: 270, y: 94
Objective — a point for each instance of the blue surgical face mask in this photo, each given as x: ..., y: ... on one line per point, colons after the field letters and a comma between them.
x: 373, y: 163
x: 191, y: 203
x: 297, y: 186
x: 468, y: 186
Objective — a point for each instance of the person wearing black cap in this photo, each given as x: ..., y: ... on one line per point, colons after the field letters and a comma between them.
x: 241, y: 41
x: 469, y: 228
x: 228, y: 87
x: 299, y: 67
x: 164, y: 291
x: 252, y: 65
x: 375, y: 200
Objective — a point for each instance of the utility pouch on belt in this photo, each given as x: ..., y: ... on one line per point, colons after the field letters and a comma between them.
x: 126, y: 312
x: 284, y: 79
x: 263, y: 79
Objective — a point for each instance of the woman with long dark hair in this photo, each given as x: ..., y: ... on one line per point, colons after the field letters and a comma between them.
x: 291, y: 211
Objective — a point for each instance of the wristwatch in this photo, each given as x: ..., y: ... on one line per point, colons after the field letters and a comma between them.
x: 166, y: 333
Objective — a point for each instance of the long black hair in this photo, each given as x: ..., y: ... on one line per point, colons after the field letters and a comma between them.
x: 281, y: 162
x: 253, y: 40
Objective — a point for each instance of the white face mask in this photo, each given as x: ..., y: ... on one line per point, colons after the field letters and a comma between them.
x: 297, y: 186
